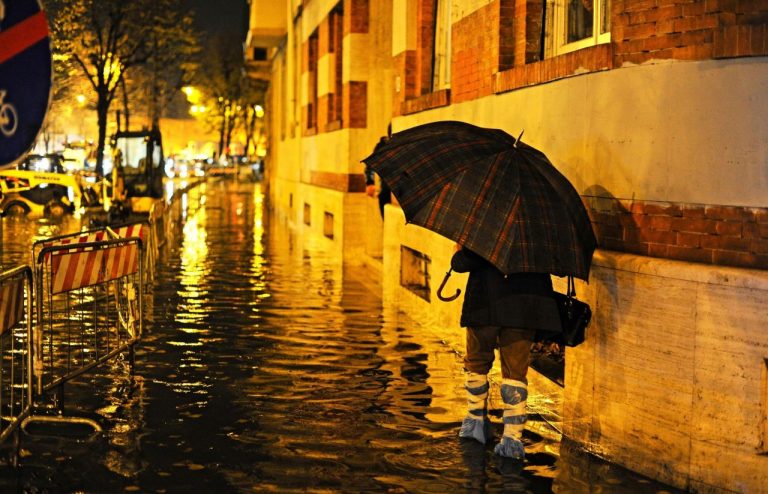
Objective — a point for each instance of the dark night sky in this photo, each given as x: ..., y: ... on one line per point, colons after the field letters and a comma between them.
x: 221, y: 16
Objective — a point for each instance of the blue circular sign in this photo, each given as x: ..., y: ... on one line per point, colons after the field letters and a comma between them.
x: 25, y: 76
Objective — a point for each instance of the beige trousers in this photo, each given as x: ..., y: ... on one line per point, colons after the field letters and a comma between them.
x: 514, y: 349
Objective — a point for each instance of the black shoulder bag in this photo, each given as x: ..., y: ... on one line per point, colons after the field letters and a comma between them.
x: 574, y: 316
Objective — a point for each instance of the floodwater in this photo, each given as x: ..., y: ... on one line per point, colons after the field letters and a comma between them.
x: 267, y: 365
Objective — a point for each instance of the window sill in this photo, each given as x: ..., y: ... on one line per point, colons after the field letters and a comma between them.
x: 331, y: 126
x: 426, y: 102
x: 591, y: 59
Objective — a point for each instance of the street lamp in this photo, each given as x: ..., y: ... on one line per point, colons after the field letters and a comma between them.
x: 193, y: 94
x: 197, y: 109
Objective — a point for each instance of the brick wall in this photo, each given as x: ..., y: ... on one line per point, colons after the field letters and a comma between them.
x: 723, y: 235
x: 506, y: 40
x: 337, y: 21
x: 414, y: 67
x: 688, y: 30
x: 354, y: 94
x: 474, y: 40
x: 588, y: 60
x: 309, y: 67
x: 342, y: 182
x: 425, y: 40
x: 356, y: 16
x: 355, y: 107
x: 506, y: 56
x: 345, y: 103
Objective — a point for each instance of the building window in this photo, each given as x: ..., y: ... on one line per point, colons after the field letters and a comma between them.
x: 328, y: 225
x: 336, y: 36
x: 580, y: 23
x: 312, y: 82
x: 259, y: 54
x: 441, y: 70
x: 414, y: 272
x: 307, y: 214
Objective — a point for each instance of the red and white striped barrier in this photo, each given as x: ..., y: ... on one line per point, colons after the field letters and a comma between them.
x: 11, y: 303
x: 135, y: 230
x: 77, y: 268
x: 96, y: 236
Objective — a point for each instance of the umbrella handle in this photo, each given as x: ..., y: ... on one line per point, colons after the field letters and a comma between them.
x: 442, y: 285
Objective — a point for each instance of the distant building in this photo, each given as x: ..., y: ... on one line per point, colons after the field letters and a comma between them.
x: 656, y: 112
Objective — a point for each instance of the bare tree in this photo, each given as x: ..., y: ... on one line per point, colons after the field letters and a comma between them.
x: 252, y: 110
x: 105, y: 39
x: 174, y: 51
x: 221, y: 80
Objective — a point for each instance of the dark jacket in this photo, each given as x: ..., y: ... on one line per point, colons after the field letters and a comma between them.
x: 517, y: 300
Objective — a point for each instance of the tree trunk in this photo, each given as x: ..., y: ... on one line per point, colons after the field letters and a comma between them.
x: 250, y: 121
x: 125, y: 105
x: 230, y: 127
x: 102, y: 112
x: 222, y: 132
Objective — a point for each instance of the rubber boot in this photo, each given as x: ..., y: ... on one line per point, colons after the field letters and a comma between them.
x: 514, y: 395
x: 476, y: 424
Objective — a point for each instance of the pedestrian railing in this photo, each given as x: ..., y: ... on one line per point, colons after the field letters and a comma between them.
x: 15, y: 349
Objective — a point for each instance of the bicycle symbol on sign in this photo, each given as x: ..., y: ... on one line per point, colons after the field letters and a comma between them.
x: 9, y: 119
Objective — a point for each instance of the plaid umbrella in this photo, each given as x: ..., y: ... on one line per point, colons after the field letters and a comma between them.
x: 492, y: 194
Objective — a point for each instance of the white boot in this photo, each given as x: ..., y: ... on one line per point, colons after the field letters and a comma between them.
x: 514, y: 395
x: 476, y: 424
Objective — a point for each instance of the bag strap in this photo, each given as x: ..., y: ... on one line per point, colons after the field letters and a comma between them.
x: 571, y: 288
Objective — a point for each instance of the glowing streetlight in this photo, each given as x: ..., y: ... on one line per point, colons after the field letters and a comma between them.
x: 194, y: 96
x: 197, y: 109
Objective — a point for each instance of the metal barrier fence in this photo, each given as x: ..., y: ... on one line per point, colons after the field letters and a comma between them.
x: 88, y: 308
x: 88, y: 305
x: 141, y: 230
x: 15, y: 349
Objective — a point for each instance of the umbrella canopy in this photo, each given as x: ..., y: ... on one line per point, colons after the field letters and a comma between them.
x: 492, y: 194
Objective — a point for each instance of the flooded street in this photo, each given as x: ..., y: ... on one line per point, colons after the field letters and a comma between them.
x: 266, y: 365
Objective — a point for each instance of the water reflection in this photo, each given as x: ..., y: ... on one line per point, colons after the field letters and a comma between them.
x: 270, y: 366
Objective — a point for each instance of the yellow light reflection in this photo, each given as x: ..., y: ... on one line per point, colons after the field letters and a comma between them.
x: 194, y: 265
x: 258, y: 229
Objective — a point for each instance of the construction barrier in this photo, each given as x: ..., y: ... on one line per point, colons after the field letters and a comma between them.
x: 141, y: 230
x: 88, y: 304
x: 158, y: 228
x: 15, y: 349
x: 88, y: 307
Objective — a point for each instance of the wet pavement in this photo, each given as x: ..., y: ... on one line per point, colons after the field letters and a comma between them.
x: 268, y: 366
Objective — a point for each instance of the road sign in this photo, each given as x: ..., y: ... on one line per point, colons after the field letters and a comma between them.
x: 25, y: 76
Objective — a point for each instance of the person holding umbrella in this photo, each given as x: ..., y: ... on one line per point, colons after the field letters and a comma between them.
x: 503, y: 311
x: 518, y: 220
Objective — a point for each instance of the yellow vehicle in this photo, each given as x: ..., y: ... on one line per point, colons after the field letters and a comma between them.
x: 138, y: 169
x: 44, y: 193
